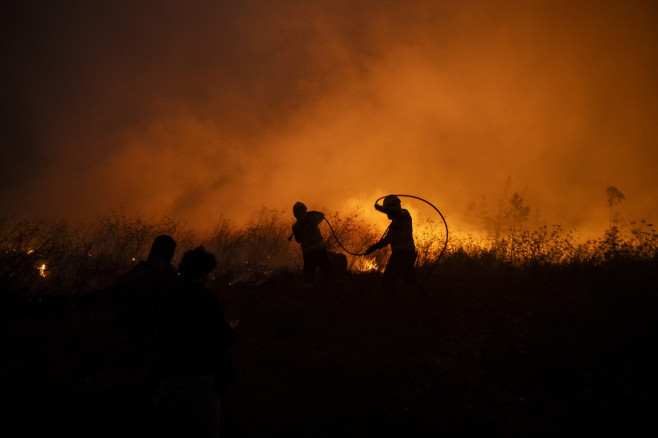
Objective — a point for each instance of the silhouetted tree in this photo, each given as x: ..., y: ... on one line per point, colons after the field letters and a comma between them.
x: 477, y: 215
x: 614, y: 198
x: 516, y: 212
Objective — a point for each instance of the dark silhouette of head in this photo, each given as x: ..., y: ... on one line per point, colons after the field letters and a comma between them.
x: 162, y: 250
x: 299, y: 210
x: 392, y: 205
x: 196, y: 264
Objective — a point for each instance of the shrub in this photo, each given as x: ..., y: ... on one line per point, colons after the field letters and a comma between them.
x: 54, y: 255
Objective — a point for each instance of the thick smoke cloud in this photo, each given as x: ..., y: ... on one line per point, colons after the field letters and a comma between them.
x: 206, y: 108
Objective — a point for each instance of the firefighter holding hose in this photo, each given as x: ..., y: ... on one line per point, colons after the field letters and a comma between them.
x: 400, y: 237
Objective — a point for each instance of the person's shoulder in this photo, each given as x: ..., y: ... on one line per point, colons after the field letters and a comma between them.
x: 163, y: 270
x: 154, y: 266
x: 171, y: 271
x: 405, y: 215
x: 401, y: 215
x: 315, y: 215
x: 143, y: 266
x: 139, y: 271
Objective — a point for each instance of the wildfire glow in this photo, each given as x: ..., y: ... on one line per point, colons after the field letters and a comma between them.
x: 366, y: 265
x: 42, y: 270
x: 333, y: 104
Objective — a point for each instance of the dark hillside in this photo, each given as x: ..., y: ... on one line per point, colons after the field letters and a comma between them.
x: 491, y: 351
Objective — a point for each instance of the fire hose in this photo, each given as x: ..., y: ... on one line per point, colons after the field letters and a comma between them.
x: 445, y: 243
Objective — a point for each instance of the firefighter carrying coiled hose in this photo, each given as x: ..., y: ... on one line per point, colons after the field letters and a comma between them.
x: 399, y: 235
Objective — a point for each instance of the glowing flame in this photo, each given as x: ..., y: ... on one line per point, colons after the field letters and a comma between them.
x: 367, y: 266
x: 30, y: 251
x: 42, y: 270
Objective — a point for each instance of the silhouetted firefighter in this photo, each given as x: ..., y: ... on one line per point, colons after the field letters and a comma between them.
x: 400, y: 237
x: 195, y: 361
x: 314, y: 250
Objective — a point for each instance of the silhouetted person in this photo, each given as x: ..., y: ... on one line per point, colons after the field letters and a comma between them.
x: 195, y: 360
x: 138, y: 293
x: 314, y: 250
x: 138, y: 296
x: 400, y: 237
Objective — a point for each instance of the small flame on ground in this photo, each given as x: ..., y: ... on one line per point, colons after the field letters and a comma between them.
x: 30, y: 251
x: 42, y: 270
x: 368, y: 266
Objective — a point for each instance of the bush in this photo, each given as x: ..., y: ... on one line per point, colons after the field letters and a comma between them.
x: 54, y: 255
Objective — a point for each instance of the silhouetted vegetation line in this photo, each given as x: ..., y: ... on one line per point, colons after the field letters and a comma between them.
x: 534, y: 334
x: 57, y: 257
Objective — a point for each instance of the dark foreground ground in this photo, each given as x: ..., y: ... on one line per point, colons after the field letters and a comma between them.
x: 490, y: 351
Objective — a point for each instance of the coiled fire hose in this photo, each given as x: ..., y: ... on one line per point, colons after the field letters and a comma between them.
x: 445, y: 243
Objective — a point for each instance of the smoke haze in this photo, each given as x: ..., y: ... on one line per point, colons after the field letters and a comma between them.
x: 202, y: 109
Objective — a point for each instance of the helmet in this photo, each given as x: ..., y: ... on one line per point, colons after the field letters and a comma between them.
x: 392, y: 201
x: 298, y: 207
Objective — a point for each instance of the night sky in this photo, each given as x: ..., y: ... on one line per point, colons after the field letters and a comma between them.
x: 201, y: 109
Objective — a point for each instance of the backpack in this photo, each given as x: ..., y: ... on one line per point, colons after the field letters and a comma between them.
x: 136, y: 297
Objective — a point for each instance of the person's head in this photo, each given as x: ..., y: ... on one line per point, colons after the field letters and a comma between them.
x: 299, y: 210
x: 393, y: 205
x: 196, y: 265
x: 163, y: 249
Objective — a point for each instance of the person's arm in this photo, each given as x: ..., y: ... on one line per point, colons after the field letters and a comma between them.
x: 382, y: 243
x: 388, y: 210
x: 295, y: 231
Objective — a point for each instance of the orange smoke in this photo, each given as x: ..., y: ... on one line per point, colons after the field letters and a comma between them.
x: 251, y: 105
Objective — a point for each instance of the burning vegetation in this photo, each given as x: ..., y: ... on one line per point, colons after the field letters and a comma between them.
x: 60, y: 257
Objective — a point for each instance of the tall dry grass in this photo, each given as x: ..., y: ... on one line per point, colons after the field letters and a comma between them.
x: 59, y: 257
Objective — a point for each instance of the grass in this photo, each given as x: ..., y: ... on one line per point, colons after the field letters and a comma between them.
x: 502, y: 343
